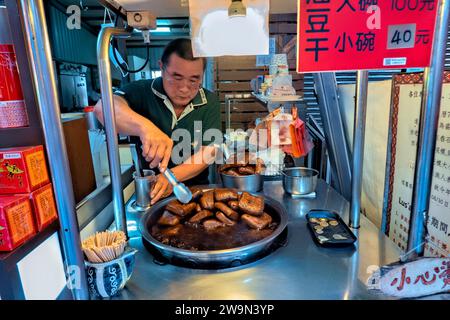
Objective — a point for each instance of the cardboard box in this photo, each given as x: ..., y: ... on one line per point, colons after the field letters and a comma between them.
x: 44, y: 206
x: 22, y: 170
x: 16, y: 221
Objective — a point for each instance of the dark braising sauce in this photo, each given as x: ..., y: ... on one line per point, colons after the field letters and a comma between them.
x: 195, y: 237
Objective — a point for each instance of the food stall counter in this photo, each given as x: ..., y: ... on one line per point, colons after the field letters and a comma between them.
x: 299, y: 270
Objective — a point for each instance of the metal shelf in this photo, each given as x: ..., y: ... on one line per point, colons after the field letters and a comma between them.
x: 20, y: 252
x: 10, y: 280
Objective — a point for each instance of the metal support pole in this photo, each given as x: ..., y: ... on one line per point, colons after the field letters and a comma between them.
x: 104, y: 67
x: 228, y: 111
x: 362, y: 82
x: 431, y: 101
x: 39, y: 54
x: 333, y: 126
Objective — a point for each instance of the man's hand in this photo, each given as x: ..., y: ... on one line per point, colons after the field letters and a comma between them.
x: 156, y: 147
x: 161, y: 189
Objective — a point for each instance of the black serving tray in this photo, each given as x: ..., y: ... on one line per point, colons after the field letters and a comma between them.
x: 338, y: 235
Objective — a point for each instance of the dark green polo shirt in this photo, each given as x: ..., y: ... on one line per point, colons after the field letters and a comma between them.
x: 148, y: 98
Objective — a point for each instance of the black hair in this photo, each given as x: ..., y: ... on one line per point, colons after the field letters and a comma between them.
x: 182, y: 47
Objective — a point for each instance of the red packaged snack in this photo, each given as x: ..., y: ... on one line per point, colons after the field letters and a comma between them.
x: 16, y: 221
x: 44, y: 206
x: 22, y: 170
x: 13, y: 112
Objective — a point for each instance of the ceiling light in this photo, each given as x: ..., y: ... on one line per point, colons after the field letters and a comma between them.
x: 237, y: 9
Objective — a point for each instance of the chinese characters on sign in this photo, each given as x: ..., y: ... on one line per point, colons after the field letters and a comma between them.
x: 364, y: 34
x: 419, y: 278
x: 439, y: 208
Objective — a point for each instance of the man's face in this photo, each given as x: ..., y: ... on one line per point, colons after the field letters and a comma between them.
x: 182, y: 79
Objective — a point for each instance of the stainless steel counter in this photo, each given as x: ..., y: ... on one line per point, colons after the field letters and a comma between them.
x: 301, y: 270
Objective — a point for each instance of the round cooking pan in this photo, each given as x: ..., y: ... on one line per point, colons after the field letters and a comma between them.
x: 213, y: 258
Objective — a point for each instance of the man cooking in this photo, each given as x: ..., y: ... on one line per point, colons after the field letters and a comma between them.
x: 151, y: 110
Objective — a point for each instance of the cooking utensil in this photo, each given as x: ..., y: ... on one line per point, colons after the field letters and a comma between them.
x: 143, y: 186
x: 134, y: 155
x: 214, y: 259
x: 299, y: 181
x: 250, y: 183
x: 181, y: 192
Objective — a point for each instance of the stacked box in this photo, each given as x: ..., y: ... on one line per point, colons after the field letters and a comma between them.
x: 22, y: 170
x: 27, y: 203
x: 16, y: 221
x: 44, y: 206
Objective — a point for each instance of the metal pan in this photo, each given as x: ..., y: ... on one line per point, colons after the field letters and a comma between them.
x: 215, y: 258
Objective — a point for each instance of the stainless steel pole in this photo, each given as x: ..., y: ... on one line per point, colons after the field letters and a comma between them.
x: 228, y: 111
x: 39, y: 53
x: 431, y: 101
x: 362, y: 83
x: 104, y: 67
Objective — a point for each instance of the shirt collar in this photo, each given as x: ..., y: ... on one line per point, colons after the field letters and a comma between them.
x: 158, y: 89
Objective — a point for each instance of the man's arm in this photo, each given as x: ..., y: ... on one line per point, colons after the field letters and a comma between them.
x: 192, y: 167
x: 156, y: 146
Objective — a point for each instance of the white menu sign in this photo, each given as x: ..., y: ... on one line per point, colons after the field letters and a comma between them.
x: 439, y: 206
x: 405, y: 127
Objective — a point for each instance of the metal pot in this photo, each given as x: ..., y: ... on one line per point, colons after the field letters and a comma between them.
x: 300, y: 181
x: 251, y: 183
x: 215, y: 258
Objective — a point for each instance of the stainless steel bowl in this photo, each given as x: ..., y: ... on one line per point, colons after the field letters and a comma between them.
x: 300, y: 181
x: 251, y: 183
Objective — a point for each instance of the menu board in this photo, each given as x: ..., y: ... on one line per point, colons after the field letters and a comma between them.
x: 401, y: 158
x: 439, y: 206
x: 364, y: 34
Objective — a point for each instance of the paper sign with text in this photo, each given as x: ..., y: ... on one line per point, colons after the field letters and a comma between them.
x: 338, y: 35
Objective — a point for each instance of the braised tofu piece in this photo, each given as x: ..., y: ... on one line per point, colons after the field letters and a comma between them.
x: 189, y: 208
x: 232, y: 172
x: 168, y: 219
x: 257, y: 223
x: 229, y: 166
x: 249, y: 204
x: 196, y: 194
x: 239, y: 159
x: 199, y: 216
x: 230, y: 213
x: 207, y: 200
x: 180, y: 209
x: 225, y: 194
x: 223, y: 218
x: 175, y: 207
x: 259, y: 166
x: 171, y: 231
x: 248, y: 170
x: 212, y: 224
x: 234, y: 204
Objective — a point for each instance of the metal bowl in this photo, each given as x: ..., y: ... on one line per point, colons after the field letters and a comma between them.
x: 251, y: 183
x: 300, y: 181
x: 213, y: 259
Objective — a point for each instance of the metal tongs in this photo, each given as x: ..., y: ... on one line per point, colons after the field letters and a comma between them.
x: 181, y: 192
x: 134, y: 155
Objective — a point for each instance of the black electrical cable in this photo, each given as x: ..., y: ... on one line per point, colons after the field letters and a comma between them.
x: 114, y: 46
x: 125, y: 69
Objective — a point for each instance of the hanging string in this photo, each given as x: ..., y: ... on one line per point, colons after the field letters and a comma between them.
x: 404, y: 257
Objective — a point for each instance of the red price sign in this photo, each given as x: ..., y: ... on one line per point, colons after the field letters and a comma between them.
x: 364, y: 34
